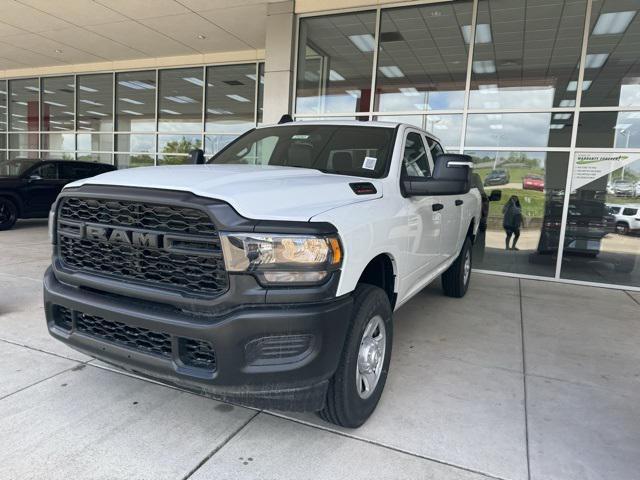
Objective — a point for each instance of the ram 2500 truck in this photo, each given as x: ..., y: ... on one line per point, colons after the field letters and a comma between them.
x: 268, y: 276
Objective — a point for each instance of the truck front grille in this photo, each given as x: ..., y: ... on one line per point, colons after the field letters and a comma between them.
x: 191, y: 352
x: 180, y: 249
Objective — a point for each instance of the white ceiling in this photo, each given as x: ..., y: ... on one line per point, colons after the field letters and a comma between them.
x: 44, y: 33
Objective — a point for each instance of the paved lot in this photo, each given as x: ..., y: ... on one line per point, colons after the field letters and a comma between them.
x: 520, y: 379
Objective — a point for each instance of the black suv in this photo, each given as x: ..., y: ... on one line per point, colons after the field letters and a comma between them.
x: 28, y: 187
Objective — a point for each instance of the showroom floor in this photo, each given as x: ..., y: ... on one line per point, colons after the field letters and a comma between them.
x: 520, y: 379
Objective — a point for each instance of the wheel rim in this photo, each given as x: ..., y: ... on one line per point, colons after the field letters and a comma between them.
x: 5, y: 215
x: 371, y: 355
x: 467, y: 267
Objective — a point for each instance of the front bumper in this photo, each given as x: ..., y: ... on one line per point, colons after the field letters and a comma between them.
x: 239, y: 374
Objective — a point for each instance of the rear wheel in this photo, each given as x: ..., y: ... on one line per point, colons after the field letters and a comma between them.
x: 455, y: 281
x: 8, y: 214
x: 622, y: 228
x: 356, y: 387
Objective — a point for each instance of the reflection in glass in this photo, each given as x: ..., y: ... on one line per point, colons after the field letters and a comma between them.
x: 140, y: 143
x: 259, y: 113
x: 215, y: 143
x: 609, y: 129
x: 23, y: 141
x: 24, y: 106
x: 95, y: 157
x: 61, y: 142
x: 422, y: 58
x: 335, y: 62
x: 95, y: 102
x: 135, y: 101
x: 94, y: 142
x: 606, y: 206
x: 174, y: 159
x: 180, y: 100
x: 134, y: 160
x: 519, y: 130
x: 172, y: 147
x: 520, y: 233
x: 57, y: 104
x: 231, y: 93
x: 446, y: 127
x: 526, y: 54
x: 3, y: 106
x: 611, y: 66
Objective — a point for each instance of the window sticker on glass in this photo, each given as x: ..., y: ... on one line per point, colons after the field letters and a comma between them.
x: 369, y: 163
x: 299, y: 137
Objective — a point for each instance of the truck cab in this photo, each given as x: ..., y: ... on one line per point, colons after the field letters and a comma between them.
x: 269, y: 275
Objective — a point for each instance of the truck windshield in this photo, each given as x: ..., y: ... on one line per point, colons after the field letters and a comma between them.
x: 347, y: 150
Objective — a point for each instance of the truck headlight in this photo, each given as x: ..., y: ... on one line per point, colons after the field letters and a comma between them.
x: 282, y: 259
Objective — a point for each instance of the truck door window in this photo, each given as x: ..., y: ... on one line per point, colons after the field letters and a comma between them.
x: 435, y: 147
x: 415, y: 161
x: 47, y: 171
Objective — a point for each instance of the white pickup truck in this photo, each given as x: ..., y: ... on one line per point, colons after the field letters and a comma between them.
x: 268, y: 276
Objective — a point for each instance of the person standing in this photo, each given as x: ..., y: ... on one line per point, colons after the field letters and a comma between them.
x: 511, y: 221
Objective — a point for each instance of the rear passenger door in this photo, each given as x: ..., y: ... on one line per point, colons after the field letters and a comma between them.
x: 423, y: 215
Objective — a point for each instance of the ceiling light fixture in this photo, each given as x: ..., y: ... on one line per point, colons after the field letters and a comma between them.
x: 335, y: 76
x: 131, y: 101
x: 567, y: 103
x: 202, y: 36
x: 131, y: 112
x: 54, y: 104
x: 83, y: 88
x: 562, y: 116
x: 595, y: 60
x: 194, y: 80
x: 365, y: 43
x: 58, y: 50
x: 170, y: 112
x: 180, y: 99
x: 91, y: 102
x: 573, y: 85
x: 136, y: 85
x: 613, y: 23
x: 391, y: 71
x: 238, y: 98
x: 483, y: 33
x: 100, y: 114
x: 484, y: 66
x: 409, y: 91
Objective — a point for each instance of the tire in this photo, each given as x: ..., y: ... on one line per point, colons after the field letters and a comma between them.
x: 622, y: 228
x: 455, y: 281
x: 348, y: 403
x: 483, y: 225
x: 8, y: 214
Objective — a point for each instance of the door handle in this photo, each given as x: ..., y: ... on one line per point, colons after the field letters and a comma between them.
x: 437, y: 206
x: 459, y: 202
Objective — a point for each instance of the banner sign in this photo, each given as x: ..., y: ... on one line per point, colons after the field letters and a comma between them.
x: 592, y: 166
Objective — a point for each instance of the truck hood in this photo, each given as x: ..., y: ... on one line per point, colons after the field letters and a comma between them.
x: 256, y: 192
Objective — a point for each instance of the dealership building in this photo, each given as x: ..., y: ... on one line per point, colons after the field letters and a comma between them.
x: 544, y: 95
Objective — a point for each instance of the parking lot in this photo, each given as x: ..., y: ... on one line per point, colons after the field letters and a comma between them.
x: 520, y: 379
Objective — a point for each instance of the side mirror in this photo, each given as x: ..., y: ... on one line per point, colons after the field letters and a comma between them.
x: 34, y: 178
x: 197, y: 157
x: 496, y: 196
x: 451, y: 176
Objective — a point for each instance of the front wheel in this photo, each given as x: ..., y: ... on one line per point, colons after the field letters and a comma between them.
x: 455, y: 281
x: 356, y: 387
x: 622, y: 228
x: 8, y: 214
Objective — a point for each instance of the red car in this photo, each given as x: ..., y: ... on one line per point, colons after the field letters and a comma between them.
x: 533, y: 182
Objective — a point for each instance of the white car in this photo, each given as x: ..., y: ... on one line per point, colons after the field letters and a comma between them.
x: 268, y: 276
x: 627, y: 217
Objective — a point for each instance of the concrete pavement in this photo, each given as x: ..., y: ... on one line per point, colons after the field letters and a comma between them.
x: 520, y: 379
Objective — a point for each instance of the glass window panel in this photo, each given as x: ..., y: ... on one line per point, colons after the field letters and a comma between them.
x: 519, y: 130
x: 528, y: 215
x: 3, y: 106
x: 174, y: 159
x: 602, y: 242
x: 57, y: 104
x: 24, y: 105
x: 95, y: 157
x: 58, y: 155
x: 62, y: 142
x: 13, y: 154
x: 215, y: 143
x: 168, y: 144
x: 609, y: 129
x: 422, y: 57
x: 335, y: 62
x: 136, y: 143
x: 95, y: 102
x: 3, y: 141
x: 135, y: 101
x: 180, y: 100
x: 134, y: 160
x: 231, y: 92
x: 612, y: 70
x: 96, y: 142
x: 526, y: 54
x: 23, y: 141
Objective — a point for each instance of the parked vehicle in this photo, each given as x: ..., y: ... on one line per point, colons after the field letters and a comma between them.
x: 622, y: 188
x: 268, y: 276
x: 588, y: 222
x: 533, y: 182
x: 496, y: 177
x: 28, y: 187
x: 626, y: 216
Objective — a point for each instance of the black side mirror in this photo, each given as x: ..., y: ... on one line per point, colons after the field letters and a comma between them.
x: 496, y: 196
x: 197, y: 156
x: 451, y: 176
x: 34, y: 178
